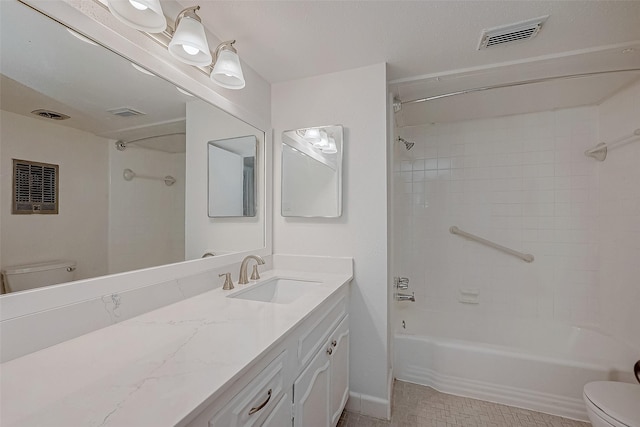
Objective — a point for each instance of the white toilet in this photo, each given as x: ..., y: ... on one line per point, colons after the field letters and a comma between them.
x: 29, y: 276
x: 613, y: 404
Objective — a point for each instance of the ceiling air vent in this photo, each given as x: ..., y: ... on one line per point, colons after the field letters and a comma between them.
x: 125, y: 112
x: 48, y: 114
x: 520, y: 31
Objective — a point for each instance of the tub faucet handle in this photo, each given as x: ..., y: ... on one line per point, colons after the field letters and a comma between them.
x: 406, y: 297
x: 401, y: 283
x: 228, y: 283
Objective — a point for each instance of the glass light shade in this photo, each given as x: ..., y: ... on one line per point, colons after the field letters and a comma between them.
x: 323, y: 142
x: 312, y: 135
x: 189, y: 43
x: 331, y: 148
x: 149, y: 19
x: 227, y: 71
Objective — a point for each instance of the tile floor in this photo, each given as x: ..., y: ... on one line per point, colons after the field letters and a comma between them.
x: 418, y: 406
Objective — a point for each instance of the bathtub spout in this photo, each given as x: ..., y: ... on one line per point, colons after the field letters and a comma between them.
x: 405, y: 297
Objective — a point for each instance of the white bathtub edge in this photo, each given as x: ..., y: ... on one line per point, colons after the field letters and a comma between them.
x: 542, y: 402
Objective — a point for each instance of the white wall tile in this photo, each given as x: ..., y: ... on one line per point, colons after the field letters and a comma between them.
x: 516, y: 180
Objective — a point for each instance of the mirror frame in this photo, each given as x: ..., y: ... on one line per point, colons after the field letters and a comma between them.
x: 92, y: 19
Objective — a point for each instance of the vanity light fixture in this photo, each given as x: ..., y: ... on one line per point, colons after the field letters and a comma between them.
x: 143, y: 15
x: 227, y: 71
x: 312, y: 135
x: 331, y: 148
x: 323, y: 142
x: 189, y: 42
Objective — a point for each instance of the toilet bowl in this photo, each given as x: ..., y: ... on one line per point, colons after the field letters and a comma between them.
x: 612, y: 404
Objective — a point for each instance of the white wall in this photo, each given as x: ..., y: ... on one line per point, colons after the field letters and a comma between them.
x: 79, y: 231
x: 146, y: 217
x: 207, y: 123
x: 619, y: 221
x: 355, y: 99
x: 521, y: 181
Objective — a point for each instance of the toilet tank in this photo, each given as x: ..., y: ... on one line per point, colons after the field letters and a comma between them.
x: 29, y: 276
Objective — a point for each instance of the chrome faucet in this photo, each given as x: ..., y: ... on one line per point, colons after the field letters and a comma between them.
x: 242, y: 280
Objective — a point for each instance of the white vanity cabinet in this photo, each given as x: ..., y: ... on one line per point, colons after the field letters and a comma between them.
x: 321, y: 390
x: 304, y: 380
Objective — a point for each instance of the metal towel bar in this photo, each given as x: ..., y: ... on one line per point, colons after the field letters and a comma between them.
x: 525, y: 257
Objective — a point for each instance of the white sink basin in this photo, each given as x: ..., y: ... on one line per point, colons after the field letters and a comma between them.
x: 276, y: 290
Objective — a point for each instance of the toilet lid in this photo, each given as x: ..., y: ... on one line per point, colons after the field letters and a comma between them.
x: 620, y: 401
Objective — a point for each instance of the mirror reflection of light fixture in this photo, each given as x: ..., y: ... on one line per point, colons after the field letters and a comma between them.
x: 331, y: 148
x: 189, y: 42
x: 312, y: 135
x: 323, y: 142
x: 227, y: 71
x: 143, y: 15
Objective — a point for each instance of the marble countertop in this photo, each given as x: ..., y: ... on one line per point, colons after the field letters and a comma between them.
x: 154, y: 369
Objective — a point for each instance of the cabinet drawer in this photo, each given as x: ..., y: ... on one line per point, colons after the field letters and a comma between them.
x: 252, y: 405
x: 310, y: 341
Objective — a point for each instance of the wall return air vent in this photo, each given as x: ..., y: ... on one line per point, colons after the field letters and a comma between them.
x: 35, y: 188
x: 517, y: 32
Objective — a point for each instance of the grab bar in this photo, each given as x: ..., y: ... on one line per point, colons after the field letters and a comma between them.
x: 525, y: 257
x: 128, y: 175
x: 599, y: 152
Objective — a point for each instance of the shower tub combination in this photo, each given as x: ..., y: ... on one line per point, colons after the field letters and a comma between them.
x: 526, y: 363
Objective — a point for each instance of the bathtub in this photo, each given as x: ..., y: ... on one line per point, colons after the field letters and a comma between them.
x: 524, y: 363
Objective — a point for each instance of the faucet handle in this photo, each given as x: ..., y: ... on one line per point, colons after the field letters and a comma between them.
x: 254, y: 273
x: 228, y: 283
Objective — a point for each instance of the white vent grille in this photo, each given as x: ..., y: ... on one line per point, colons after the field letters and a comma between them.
x: 125, y: 112
x: 35, y: 187
x: 520, y: 31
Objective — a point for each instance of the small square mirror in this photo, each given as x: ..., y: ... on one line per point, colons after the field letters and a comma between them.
x: 232, y: 177
x: 312, y: 172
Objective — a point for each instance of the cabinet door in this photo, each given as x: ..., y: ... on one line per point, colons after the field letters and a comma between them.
x: 311, y: 393
x: 280, y: 416
x: 339, y: 371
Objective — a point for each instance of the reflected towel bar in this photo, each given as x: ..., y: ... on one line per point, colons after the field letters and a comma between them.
x: 525, y: 257
x: 599, y: 152
x: 128, y: 175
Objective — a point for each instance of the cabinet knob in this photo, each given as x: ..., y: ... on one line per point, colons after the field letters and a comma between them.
x: 329, y: 351
x: 334, y: 343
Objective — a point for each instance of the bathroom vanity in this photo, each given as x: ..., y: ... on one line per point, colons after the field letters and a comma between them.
x: 262, y: 354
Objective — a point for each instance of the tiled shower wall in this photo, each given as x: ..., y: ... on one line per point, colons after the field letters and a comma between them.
x: 521, y: 181
x: 619, y: 222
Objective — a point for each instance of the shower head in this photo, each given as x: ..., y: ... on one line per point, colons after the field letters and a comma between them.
x: 408, y: 145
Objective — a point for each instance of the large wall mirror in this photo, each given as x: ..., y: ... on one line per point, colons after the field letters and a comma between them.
x: 125, y: 141
x: 312, y: 172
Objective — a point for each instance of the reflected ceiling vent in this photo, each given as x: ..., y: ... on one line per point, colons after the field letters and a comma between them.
x: 517, y: 32
x: 48, y: 114
x: 125, y: 112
